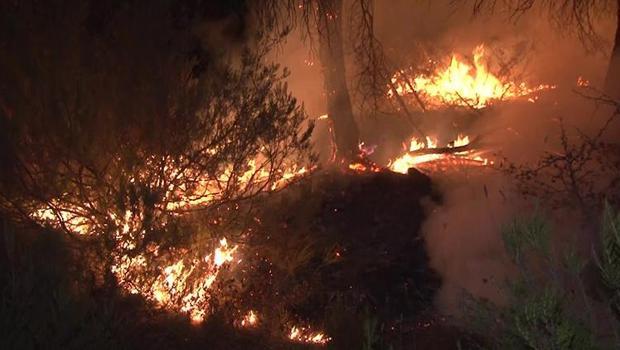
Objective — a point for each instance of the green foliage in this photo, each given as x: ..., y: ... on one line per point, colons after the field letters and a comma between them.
x: 524, y: 235
x: 372, y: 333
x: 540, y: 321
x: 609, y: 260
x: 573, y: 262
x: 541, y: 312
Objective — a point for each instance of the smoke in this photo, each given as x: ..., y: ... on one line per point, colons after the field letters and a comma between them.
x: 463, y: 236
x: 464, y: 233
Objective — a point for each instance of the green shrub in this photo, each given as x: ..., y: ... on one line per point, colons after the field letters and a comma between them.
x: 543, y: 309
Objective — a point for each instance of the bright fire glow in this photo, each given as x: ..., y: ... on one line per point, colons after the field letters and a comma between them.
x: 181, y: 286
x: 185, y: 282
x: 223, y: 254
x: 362, y: 167
x: 363, y: 163
x: 411, y: 159
x: 460, y: 84
x: 209, y: 190
x: 250, y: 319
x: 306, y: 335
x: 582, y: 82
x: 69, y: 215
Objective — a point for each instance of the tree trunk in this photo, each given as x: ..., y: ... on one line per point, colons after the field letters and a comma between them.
x: 612, y: 80
x: 346, y: 132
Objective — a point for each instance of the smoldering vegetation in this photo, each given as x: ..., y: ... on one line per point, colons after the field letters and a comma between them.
x: 202, y: 189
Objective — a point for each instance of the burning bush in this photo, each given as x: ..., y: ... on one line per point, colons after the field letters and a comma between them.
x: 115, y: 150
x: 459, y: 83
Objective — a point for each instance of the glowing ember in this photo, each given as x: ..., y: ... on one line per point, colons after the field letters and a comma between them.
x: 332, y: 137
x: 582, y: 82
x: 250, y: 319
x: 362, y: 167
x: 290, y: 175
x: 305, y: 335
x: 461, y: 84
x: 414, y: 157
x: 363, y: 163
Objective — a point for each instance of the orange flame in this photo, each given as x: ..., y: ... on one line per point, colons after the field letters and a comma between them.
x: 582, y: 82
x: 461, y: 84
x: 182, y: 286
x: 185, y: 283
x: 250, y: 319
x: 306, y: 335
x: 409, y: 159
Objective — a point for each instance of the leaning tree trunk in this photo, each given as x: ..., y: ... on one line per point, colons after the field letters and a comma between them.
x: 346, y: 132
x: 612, y: 80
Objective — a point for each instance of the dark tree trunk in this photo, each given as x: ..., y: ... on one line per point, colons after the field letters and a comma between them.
x: 612, y: 80
x: 331, y: 55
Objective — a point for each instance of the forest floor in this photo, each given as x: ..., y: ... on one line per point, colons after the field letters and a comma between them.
x: 340, y: 250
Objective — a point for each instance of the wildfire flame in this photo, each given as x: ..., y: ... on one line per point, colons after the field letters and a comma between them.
x: 306, y: 335
x: 460, y: 84
x: 250, y: 319
x: 208, y: 190
x: 185, y: 283
x: 363, y: 163
x: 410, y: 159
x: 182, y: 286
x: 582, y: 82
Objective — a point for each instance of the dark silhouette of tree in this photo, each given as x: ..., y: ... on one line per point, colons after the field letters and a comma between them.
x: 339, y: 108
x: 324, y: 21
x: 127, y: 109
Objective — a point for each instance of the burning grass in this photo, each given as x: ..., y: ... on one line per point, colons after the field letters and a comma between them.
x: 284, y: 268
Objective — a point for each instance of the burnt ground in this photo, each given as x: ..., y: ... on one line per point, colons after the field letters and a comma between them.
x: 337, y: 251
x: 344, y: 251
x: 360, y: 232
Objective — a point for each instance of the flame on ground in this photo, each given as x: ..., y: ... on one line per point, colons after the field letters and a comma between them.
x: 410, y: 159
x: 460, y: 84
x: 361, y: 167
x: 306, y: 335
x: 250, y: 319
x: 582, y: 82
x: 185, y: 282
x: 183, y: 286
x: 363, y: 163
